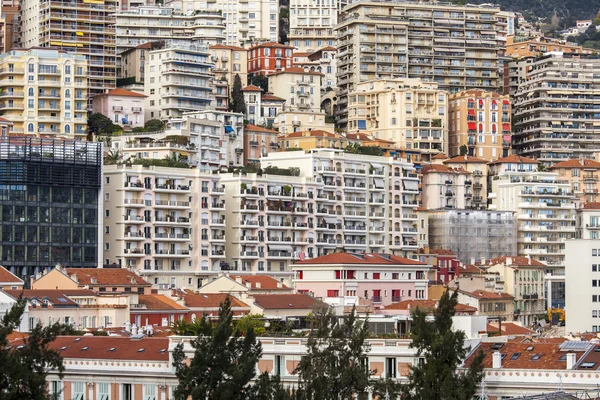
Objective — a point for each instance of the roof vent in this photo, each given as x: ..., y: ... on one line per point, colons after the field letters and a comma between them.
x: 141, y: 350
x: 77, y: 339
x: 85, y: 348
x: 112, y: 349
x: 64, y: 348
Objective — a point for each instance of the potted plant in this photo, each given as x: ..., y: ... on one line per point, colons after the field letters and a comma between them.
x: 244, y: 187
x: 287, y: 190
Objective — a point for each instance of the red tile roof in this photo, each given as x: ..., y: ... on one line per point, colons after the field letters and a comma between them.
x: 517, y: 261
x: 549, y: 355
x: 591, y: 206
x: 210, y: 300
x: 510, y: 328
x: 159, y: 302
x: 270, y: 97
x: 122, y: 92
x: 481, y: 294
x: 285, y: 301
x: 225, y: 47
x: 514, y: 159
x: 576, y: 163
x: 296, y: 70
x: 147, y: 45
x: 251, y: 88
x: 427, y: 305
x: 7, y: 277
x: 255, y: 128
x: 442, y: 252
x: 358, y: 259
x: 465, y: 160
x: 271, y: 44
x: 101, y: 348
x: 470, y: 269
x: 58, y: 298
x: 263, y: 282
x: 440, y: 156
x: 301, y: 54
x: 106, y: 276
x: 438, y: 168
x: 593, y: 356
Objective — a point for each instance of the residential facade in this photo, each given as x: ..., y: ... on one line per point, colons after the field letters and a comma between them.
x: 258, y: 142
x: 524, y: 47
x: 266, y: 58
x: 344, y: 279
x: 45, y: 92
x: 568, y: 129
x: 301, y: 89
x: 478, y: 179
x: 446, y: 187
x: 582, y: 176
x: 133, y: 62
x: 410, y: 112
x: 314, y: 139
x: 123, y: 107
x: 52, y: 214
x: 398, y: 40
x: 480, y: 121
x: 312, y: 24
x: 491, y: 304
x: 78, y: 27
x: 229, y: 62
x: 302, y: 120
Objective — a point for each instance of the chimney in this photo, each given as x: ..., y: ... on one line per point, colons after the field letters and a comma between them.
x: 74, y: 278
x: 238, y: 279
x: 279, y: 285
x: 482, y: 260
x: 134, y: 330
x: 497, y: 360
x: 529, y: 259
x: 258, y: 285
x: 58, y: 267
x: 473, y: 260
x: 508, y: 260
x: 248, y: 285
x: 571, y: 360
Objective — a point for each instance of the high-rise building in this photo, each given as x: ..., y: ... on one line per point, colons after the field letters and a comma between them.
x: 555, y: 114
x: 455, y: 46
x: 411, y: 113
x: 480, y: 122
x: 78, y: 26
x: 45, y: 92
x: 51, y: 202
x: 312, y: 24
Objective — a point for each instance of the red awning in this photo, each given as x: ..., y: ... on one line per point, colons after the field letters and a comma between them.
x: 480, y: 102
x: 472, y: 126
x: 505, y: 102
x: 506, y: 127
x: 494, y: 102
x: 471, y: 112
x: 480, y: 127
x: 493, y: 127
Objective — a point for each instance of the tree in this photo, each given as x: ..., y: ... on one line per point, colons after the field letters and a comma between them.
x: 463, y: 150
x: 260, y: 81
x: 335, y: 365
x: 442, y: 350
x: 238, y: 104
x: 154, y: 125
x: 24, y: 367
x: 98, y: 123
x: 113, y: 157
x: 223, y: 365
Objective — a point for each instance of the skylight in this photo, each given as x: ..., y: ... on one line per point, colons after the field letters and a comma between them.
x: 112, y: 349
x: 563, y: 358
x: 21, y: 347
x: 77, y: 340
x: 497, y: 346
x: 64, y: 348
x: 62, y: 299
x: 85, y: 348
x: 588, y: 365
x: 530, y: 348
x: 536, y: 357
x: 515, y: 356
x: 141, y: 350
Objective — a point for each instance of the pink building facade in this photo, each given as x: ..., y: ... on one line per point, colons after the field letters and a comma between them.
x: 348, y: 278
x: 123, y: 107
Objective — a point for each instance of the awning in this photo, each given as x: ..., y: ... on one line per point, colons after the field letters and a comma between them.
x: 472, y: 126
x: 506, y: 126
x: 410, y: 185
x: 480, y: 102
x: 229, y: 129
x: 471, y: 112
x: 494, y: 102
x: 480, y: 127
x: 505, y: 102
x: 281, y: 247
x: 375, y: 165
x: 493, y: 127
x: 506, y: 138
x: 378, y: 183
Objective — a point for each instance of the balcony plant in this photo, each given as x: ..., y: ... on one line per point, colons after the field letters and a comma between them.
x: 244, y: 187
x: 287, y: 190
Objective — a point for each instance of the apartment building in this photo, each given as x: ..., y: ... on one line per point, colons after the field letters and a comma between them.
x: 544, y: 204
x: 480, y: 122
x: 324, y: 61
x: 554, y: 116
x: 524, y: 47
x: 299, y: 120
x: 79, y: 27
x: 478, y: 179
x: 51, y: 214
x: 315, y: 139
x: 178, y: 79
x: 144, y: 24
x: 455, y: 46
x: 345, y: 279
x: 524, y: 280
x: 44, y: 92
x: 410, y: 112
x: 301, y: 89
x: 582, y: 175
x: 258, y: 141
x: 262, y: 108
x: 232, y: 136
x: 9, y: 21
x: 165, y: 224
x: 230, y: 61
x: 446, y: 187
x: 123, y: 107
x: 472, y: 234
x: 588, y: 224
x: 312, y: 24
x: 492, y: 304
x: 133, y: 62
x: 266, y: 58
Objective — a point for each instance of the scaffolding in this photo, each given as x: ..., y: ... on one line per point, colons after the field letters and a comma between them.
x: 473, y: 235
x: 592, y: 394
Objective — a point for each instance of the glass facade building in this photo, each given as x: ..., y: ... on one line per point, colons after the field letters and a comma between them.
x: 50, y: 191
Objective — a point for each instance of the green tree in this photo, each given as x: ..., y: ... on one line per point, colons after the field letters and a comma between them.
x: 463, y: 150
x: 443, y: 351
x: 335, y: 365
x: 98, y: 123
x: 261, y: 81
x: 223, y: 364
x: 114, y: 156
x: 25, y: 367
x: 237, y: 104
x: 154, y: 125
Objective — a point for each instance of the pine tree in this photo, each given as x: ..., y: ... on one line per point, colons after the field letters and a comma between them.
x: 223, y: 365
x: 24, y: 367
x: 443, y: 351
x: 238, y: 104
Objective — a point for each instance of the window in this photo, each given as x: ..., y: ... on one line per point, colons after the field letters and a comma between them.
x: 594, y: 252
x: 78, y: 391
x: 594, y: 267
x: 149, y: 392
x: 390, y: 367
x: 56, y: 390
x: 102, y: 391
x: 31, y: 323
x: 107, y: 213
x: 376, y: 275
x: 279, y: 367
x: 126, y: 391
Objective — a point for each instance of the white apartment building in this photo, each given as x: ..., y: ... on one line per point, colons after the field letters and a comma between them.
x: 44, y: 92
x: 582, y: 291
x: 312, y: 23
x: 246, y: 21
x: 410, y: 112
x: 232, y: 136
x: 545, y: 208
x: 301, y: 89
x: 323, y: 60
x: 178, y: 78
x: 446, y: 187
x: 153, y: 23
x: 261, y: 108
x: 165, y: 224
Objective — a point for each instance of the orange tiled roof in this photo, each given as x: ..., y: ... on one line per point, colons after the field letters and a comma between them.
x: 7, y: 277
x: 427, y: 305
x: 160, y: 302
x: 122, y: 92
x: 210, y: 300
x: 265, y: 282
x: 510, y: 328
x: 285, y: 301
x: 440, y: 156
x: 106, y: 276
x: 514, y: 159
x: 313, y: 133
x: 549, y: 355
x: 251, y: 88
x: 576, y: 163
x: 439, y: 168
x: 270, y: 44
x: 270, y: 96
x: 301, y: 54
x: 470, y: 269
x: 442, y: 252
x: 517, y: 261
x: 591, y: 206
x: 465, y: 160
x: 255, y: 128
x: 354, y: 259
x: 482, y: 294
x: 57, y: 297
x: 112, y: 348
